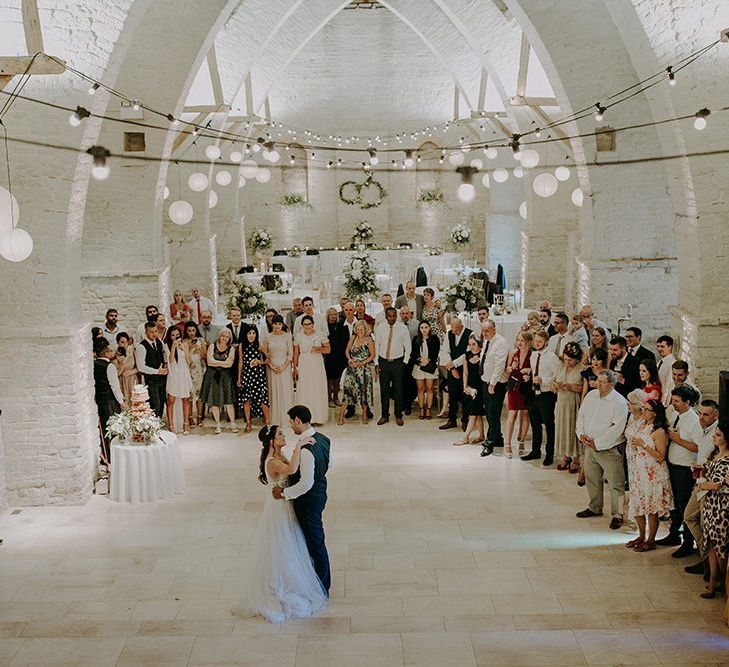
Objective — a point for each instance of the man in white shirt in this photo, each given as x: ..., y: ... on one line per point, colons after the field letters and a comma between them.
x: 600, y: 424
x: 452, y: 358
x: 544, y: 366
x: 410, y: 299
x: 150, y: 313
x: 708, y: 420
x: 562, y: 337
x: 320, y: 323
x: 684, y: 434
x: 392, y: 348
x: 151, y: 358
x: 198, y: 304
x: 386, y: 301
x: 589, y: 321
x: 111, y: 326
x: 493, y: 360
x: 664, y: 347
x: 410, y: 387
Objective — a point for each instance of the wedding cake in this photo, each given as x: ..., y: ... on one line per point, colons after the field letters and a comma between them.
x: 140, y: 407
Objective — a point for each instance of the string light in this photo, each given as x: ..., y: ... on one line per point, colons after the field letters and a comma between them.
x: 700, y: 121
x: 77, y: 117
x: 600, y: 111
x: 374, y: 160
x: 408, y: 162
x: 466, y: 192
x: 94, y: 88
x: 671, y: 76
x: 136, y: 105
x: 329, y: 164
x: 101, y: 170
x: 173, y: 121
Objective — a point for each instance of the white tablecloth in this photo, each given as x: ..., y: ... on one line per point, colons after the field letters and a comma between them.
x: 142, y: 473
x: 302, y: 267
x: 255, y: 277
x: 282, y: 302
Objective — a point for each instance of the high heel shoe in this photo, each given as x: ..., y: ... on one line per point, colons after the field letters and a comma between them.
x: 565, y: 463
x: 507, y: 452
x: 427, y: 414
x: 713, y: 589
x: 634, y: 543
x: 422, y: 413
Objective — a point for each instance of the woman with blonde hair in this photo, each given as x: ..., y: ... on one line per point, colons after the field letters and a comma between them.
x: 333, y: 361
x: 358, y: 381
x: 518, y: 372
x: 532, y: 324
x: 218, y: 390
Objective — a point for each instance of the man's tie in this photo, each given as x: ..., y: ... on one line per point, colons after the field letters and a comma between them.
x: 235, y: 331
x: 199, y: 310
x: 675, y: 423
x: 483, y: 356
x: 539, y: 358
x: 388, y: 349
x: 660, y: 363
x: 631, y: 351
x: 559, y: 344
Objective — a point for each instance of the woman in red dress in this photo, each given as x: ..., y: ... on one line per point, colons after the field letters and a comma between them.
x: 649, y: 379
x: 180, y: 312
x: 518, y: 371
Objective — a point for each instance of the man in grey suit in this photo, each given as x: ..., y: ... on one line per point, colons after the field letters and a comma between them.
x: 410, y: 299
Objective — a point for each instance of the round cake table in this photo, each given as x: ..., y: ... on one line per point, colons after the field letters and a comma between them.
x: 145, y: 473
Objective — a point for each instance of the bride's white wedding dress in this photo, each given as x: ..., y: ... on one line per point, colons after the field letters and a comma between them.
x: 280, y: 579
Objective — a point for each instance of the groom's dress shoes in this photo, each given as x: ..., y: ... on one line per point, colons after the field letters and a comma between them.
x: 383, y: 420
x: 487, y: 450
x: 447, y: 425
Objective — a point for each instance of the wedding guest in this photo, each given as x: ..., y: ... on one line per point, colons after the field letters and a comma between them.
x: 650, y: 488
x: 208, y: 330
x: 150, y: 315
x: 708, y: 419
x: 545, y: 319
x: 161, y: 326
x: 453, y: 356
x: 532, y: 324
x: 598, y: 362
x: 358, y: 383
x: 650, y: 383
x: 664, y: 347
x: 237, y: 327
x: 684, y: 435
x: 265, y: 325
x: 483, y: 315
x: 297, y: 308
x: 198, y: 304
x: 179, y: 380
x: 126, y: 364
x: 359, y: 311
x: 197, y: 350
x: 544, y: 366
x: 432, y: 313
x: 589, y: 320
x: 715, y: 510
x: 393, y: 346
x: 635, y: 422
x: 252, y: 384
x: 561, y: 335
x: 111, y: 327
x: 217, y: 387
x: 332, y: 361
x: 180, y: 312
x: 386, y: 301
x: 96, y: 332
x: 279, y: 350
x: 578, y: 332
x: 409, y: 384
x: 493, y: 360
x: 408, y: 319
x: 107, y: 390
x: 410, y: 299
x: 309, y: 374
x: 598, y: 341
x: 680, y: 377
x: 633, y: 337
x: 518, y: 368
x: 600, y: 424
x: 624, y: 365
x: 151, y: 358
x: 344, y: 333
x: 568, y: 387
x: 424, y: 354
x: 319, y: 321
x: 473, y: 407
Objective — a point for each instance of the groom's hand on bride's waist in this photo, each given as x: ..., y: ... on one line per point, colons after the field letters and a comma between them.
x: 277, y: 492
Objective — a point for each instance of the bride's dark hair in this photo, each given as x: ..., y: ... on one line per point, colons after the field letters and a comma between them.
x: 266, y: 436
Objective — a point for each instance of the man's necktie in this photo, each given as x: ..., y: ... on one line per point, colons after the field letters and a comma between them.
x: 675, y: 423
x: 388, y: 349
x: 199, y: 310
x: 483, y: 356
x: 660, y: 363
x: 539, y: 358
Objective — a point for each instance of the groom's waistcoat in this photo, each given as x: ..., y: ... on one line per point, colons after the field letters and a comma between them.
x: 320, y: 452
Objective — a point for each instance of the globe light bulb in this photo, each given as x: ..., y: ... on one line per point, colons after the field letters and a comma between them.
x: 197, y: 182
x: 700, y: 123
x: 100, y: 172
x: 545, y: 185
x: 466, y: 192
x: 212, y: 152
x: 491, y: 153
x: 562, y: 173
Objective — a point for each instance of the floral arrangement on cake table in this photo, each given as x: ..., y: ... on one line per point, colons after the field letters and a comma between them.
x: 294, y: 199
x: 463, y: 296
x: 246, y: 297
x: 138, y: 424
x: 363, y: 232
x: 460, y: 235
x: 359, y: 276
x: 260, y: 240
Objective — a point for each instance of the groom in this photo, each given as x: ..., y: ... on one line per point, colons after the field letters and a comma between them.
x: 308, y: 489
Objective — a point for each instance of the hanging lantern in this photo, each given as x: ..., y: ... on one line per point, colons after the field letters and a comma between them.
x: 180, y: 212
x: 263, y: 175
x: 529, y: 158
x: 197, y: 182
x: 223, y: 178
x: 577, y: 197
x: 165, y: 193
x: 456, y: 159
x: 523, y: 210
x: 212, y: 199
x: 248, y: 169
x: 212, y: 152
x: 9, y: 211
x: 500, y: 175
x: 486, y: 181
x: 545, y: 185
x: 562, y: 173
x: 16, y: 245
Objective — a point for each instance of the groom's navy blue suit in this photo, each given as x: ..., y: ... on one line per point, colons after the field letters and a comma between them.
x: 309, y: 507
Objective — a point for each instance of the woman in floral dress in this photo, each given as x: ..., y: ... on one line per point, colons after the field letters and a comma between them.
x: 198, y: 350
x: 358, y: 382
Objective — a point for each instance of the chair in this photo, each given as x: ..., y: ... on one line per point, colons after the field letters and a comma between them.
x: 407, y: 245
x: 278, y: 268
x: 269, y: 282
x: 280, y: 253
x: 245, y: 269
x: 312, y: 251
x: 400, y: 290
x: 421, y: 278
x: 512, y: 286
x: 483, y: 279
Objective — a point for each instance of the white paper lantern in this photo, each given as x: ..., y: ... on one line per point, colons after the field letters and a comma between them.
x: 212, y: 199
x: 456, y: 159
x: 236, y: 156
x: 523, y: 210
x: 476, y: 163
x: 197, y: 182
x: 223, y: 178
x: 212, y: 152
x: 562, y: 173
x: 486, y: 181
x: 577, y: 197
x: 272, y: 156
x: 500, y: 175
x: 180, y: 212
x: 249, y: 169
x: 263, y: 175
x: 241, y: 181
x: 16, y: 245
x: 518, y: 172
x: 165, y: 193
x: 545, y: 185
x: 529, y: 158
x: 466, y: 192
x: 491, y: 153
x: 9, y: 211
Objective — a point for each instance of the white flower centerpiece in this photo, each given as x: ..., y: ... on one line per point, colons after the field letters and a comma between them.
x: 138, y: 424
x: 359, y: 276
x: 248, y: 298
x: 460, y: 235
x: 363, y: 232
x: 260, y: 242
x: 463, y: 296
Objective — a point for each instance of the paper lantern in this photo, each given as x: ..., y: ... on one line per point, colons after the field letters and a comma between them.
x: 263, y: 175
x: 476, y: 163
x: 456, y: 159
x: 562, y: 173
x: 272, y: 156
x: 491, y: 153
x: 223, y: 178
x: 545, y: 185
x: 16, y: 245
x: 241, y: 181
x: 500, y: 175
x: 249, y: 169
x: 486, y: 181
x: 212, y: 199
x: 9, y: 211
x: 523, y: 210
x: 180, y: 212
x: 466, y: 192
x: 212, y: 152
x: 236, y: 156
x: 529, y: 158
x: 518, y: 172
x: 577, y: 197
x: 165, y: 193
x: 197, y: 182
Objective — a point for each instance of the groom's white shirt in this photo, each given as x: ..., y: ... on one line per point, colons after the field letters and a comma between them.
x: 306, y: 469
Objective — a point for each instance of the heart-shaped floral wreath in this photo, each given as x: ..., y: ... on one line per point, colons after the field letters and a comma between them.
x: 367, y: 194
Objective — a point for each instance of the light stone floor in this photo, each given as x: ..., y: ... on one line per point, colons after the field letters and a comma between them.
x: 439, y: 558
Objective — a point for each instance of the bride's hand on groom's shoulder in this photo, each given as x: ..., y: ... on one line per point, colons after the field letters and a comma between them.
x: 307, y: 441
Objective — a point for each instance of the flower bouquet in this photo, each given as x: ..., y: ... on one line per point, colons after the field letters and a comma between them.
x: 460, y: 235
x: 359, y: 276
x: 431, y: 196
x: 131, y: 427
x: 294, y: 199
x: 260, y: 241
x: 363, y: 232
x: 463, y: 296
x: 248, y: 298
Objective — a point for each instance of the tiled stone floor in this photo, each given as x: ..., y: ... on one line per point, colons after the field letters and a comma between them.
x: 439, y: 558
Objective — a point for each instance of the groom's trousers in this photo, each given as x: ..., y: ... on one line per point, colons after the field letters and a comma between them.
x: 309, y: 517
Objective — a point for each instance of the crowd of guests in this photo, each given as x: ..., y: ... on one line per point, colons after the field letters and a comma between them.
x: 603, y: 406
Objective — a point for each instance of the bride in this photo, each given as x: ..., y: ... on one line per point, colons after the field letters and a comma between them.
x: 281, y: 582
